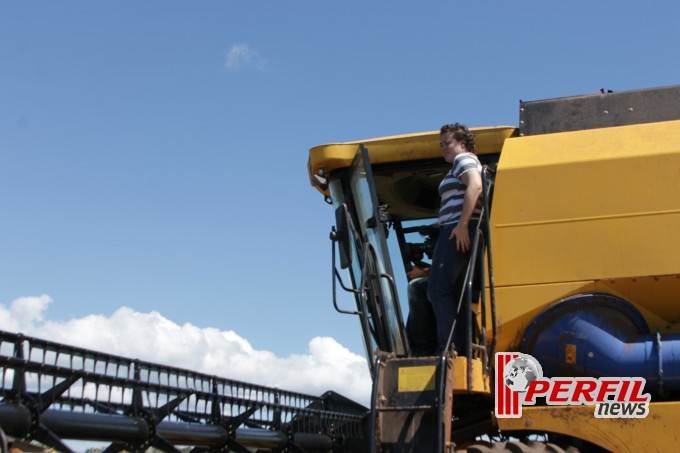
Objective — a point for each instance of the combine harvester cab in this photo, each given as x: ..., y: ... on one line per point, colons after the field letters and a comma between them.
x: 580, y: 272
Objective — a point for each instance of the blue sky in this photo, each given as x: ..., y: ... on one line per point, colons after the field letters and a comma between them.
x: 153, y: 153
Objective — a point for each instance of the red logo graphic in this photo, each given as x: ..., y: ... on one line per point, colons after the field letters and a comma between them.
x: 519, y: 381
x: 507, y: 400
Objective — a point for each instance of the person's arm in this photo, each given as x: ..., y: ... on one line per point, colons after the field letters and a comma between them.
x: 473, y: 188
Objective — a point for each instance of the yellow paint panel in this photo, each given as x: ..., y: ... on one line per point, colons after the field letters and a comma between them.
x: 588, y: 205
x: 416, y: 378
x: 480, y: 381
x: 656, y: 433
x: 517, y: 306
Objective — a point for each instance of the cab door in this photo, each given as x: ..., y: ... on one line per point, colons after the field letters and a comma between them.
x: 378, y: 298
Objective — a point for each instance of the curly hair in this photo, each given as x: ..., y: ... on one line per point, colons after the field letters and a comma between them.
x: 461, y: 133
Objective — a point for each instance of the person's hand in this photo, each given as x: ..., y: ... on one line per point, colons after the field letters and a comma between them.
x: 462, y: 236
x: 418, y: 272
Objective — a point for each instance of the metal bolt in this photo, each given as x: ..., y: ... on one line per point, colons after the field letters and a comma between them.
x: 591, y: 355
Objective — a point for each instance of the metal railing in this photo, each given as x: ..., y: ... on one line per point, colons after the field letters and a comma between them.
x: 481, y: 247
x: 50, y: 392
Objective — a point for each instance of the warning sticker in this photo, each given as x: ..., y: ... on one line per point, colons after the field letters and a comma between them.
x: 416, y: 378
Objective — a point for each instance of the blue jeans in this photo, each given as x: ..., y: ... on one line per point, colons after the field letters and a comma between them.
x: 446, y: 281
x: 421, y: 327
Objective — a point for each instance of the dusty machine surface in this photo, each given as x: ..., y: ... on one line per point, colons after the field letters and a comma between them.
x: 578, y: 253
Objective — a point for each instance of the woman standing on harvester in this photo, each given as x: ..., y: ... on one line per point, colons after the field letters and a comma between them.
x: 460, y: 205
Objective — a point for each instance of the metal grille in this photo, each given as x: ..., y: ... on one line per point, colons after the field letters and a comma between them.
x: 177, y: 405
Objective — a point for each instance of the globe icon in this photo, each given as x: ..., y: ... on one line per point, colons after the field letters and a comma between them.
x: 521, y: 371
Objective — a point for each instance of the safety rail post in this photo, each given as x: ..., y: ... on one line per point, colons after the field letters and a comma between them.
x: 471, y: 347
x: 19, y: 381
x: 486, y: 189
x: 473, y: 270
x: 482, y: 236
x: 277, y: 410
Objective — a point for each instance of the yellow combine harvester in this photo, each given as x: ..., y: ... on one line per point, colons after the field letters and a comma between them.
x: 581, y: 266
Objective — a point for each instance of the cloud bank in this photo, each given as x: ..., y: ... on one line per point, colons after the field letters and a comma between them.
x: 326, y: 365
x: 242, y: 55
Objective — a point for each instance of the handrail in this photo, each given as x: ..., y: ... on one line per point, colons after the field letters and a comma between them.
x: 482, y: 230
x: 469, y: 276
x: 489, y: 256
x: 336, y: 276
x: 361, y: 292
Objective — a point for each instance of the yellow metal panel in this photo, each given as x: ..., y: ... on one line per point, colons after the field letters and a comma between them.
x: 656, y: 433
x: 588, y: 205
x: 658, y: 294
x: 416, y: 378
x: 421, y: 378
x: 517, y: 306
x: 479, y: 382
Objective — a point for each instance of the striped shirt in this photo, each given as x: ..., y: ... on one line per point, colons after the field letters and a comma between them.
x: 452, y: 189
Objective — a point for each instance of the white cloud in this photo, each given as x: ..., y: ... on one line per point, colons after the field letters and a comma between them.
x: 242, y: 55
x: 24, y: 312
x: 326, y: 365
